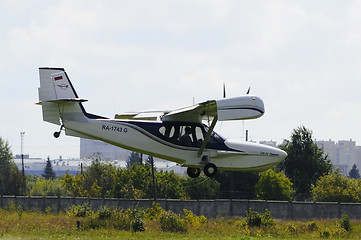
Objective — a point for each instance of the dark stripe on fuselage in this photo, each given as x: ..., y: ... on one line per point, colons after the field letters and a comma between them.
x: 151, y: 129
x: 242, y: 108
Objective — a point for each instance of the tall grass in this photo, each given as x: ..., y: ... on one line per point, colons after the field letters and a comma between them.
x: 80, y: 222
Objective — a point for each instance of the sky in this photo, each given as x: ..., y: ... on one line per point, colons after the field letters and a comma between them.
x: 303, y: 58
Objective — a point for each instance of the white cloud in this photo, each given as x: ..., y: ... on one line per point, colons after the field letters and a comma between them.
x: 302, y: 58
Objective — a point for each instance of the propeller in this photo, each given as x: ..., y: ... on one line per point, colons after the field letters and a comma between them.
x: 224, y: 90
x: 249, y: 89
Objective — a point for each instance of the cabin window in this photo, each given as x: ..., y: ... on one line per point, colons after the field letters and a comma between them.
x: 199, y: 134
x: 167, y: 131
x: 186, y: 136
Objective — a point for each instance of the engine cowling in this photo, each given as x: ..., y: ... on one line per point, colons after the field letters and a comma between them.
x: 240, y: 108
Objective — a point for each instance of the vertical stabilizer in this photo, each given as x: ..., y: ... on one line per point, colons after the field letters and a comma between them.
x: 58, y: 98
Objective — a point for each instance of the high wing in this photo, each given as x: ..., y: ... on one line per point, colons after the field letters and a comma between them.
x: 237, y: 108
x: 142, y: 115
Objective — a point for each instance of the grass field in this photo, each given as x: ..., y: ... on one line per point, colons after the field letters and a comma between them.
x: 18, y: 224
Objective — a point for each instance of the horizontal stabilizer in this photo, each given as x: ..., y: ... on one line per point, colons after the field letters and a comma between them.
x: 65, y: 100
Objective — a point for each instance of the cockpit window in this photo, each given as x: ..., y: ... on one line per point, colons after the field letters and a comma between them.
x: 187, y: 134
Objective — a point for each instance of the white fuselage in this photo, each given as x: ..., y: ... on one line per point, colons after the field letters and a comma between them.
x: 178, y: 135
x: 239, y: 156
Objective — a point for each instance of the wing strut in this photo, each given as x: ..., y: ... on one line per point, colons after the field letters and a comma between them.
x: 208, y: 135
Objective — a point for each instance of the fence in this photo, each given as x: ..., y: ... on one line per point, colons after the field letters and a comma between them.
x: 209, y: 208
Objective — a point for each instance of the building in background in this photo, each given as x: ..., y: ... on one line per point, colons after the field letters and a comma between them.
x: 343, y: 154
x: 91, y: 148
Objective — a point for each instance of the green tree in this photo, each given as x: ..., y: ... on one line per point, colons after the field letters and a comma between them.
x: 39, y: 186
x: 137, y: 182
x: 274, y: 185
x: 134, y: 158
x: 305, y: 162
x: 95, y: 181
x: 336, y: 188
x: 169, y: 185
x: 354, y: 172
x: 133, y: 182
x: 48, y: 171
x: 12, y: 182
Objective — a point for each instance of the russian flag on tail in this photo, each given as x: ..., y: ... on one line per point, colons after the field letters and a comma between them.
x: 58, y: 78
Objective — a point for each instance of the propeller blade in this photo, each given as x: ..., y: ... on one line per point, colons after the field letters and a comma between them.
x: 224, y: 90
x: 249, y: 89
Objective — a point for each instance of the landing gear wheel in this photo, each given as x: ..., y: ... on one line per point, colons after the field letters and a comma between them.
x: 210, y: 170
x: 193, y: 172
x: 56, y: 134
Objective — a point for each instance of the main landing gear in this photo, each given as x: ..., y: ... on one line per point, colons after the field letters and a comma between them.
x: 57, y: 134
x: 210, y: 170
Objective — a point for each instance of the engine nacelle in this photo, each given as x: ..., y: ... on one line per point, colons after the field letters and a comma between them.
x: 240, y: 108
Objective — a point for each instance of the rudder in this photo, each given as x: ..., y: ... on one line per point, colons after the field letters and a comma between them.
x: 57, y: 96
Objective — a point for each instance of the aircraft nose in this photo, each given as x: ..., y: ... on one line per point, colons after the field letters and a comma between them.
x: 282, y: 154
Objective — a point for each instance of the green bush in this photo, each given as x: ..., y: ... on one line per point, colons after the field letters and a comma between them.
x: 192, y: 219
x: 345, y: 223
x: 312, y: 226
x: 336, y: 188
x: 80, y: 211
x: 274, y: 185
x: 325, y: 233
x: 255, y: 219
x: 116, y: 218
x: 154, y: 212
x: 137, y: 219
x: 171, y: 222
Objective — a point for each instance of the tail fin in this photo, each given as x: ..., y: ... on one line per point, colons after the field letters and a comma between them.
x: 58, y: 98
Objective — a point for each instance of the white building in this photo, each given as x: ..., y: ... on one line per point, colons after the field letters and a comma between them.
x: 342, y: 154
x: 90, y: 148
x: 118, y: 156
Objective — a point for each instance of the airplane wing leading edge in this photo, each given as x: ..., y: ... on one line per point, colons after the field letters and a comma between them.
x: 237, y: 108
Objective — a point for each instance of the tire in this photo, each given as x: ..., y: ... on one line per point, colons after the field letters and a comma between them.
x: 193, y: 172
x: 210, y: 170
x: 56, y: 134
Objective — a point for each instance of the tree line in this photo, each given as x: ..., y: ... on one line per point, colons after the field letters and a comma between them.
x: 306, y: 174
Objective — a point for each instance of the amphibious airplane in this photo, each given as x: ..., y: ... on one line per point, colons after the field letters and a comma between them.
x: 179, y: 135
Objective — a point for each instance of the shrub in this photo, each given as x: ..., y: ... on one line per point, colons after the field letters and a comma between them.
x: 291, y: 229
x: 325, y: 233
x: 137, y: 219
x: 80, y: 210
x: 345, y: 223
x: 171, y: 222
x: 274, y: 185
x: 154, y: 212
x: 336, y: 188
x: 255, y: 219
x: 312, y: 226
x: 193, y: 219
